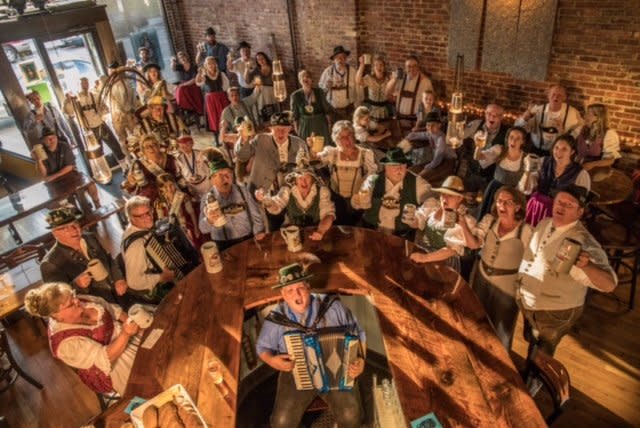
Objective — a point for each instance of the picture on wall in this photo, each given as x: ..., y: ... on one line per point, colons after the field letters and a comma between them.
x: 29, y: 71
x: 148, y: 39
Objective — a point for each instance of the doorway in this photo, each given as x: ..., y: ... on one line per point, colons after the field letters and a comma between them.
x: 52, y: 68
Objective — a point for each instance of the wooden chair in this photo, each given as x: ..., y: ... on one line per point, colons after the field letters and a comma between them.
x: 107, y: 399
x: 554, y: 377
x: 620, y: 241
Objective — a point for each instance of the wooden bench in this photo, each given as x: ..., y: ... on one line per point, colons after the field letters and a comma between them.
x: 114, y: 207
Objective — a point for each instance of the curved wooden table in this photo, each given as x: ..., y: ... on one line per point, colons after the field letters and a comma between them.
x: 614, y: 189
x: 441, y: 349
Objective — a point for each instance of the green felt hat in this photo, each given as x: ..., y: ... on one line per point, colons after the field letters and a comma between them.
x: 61, y: 216
x: 395, y: 157
x: 291, y: 274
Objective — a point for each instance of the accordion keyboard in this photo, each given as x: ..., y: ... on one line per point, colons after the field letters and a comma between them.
x: 166, y: 255
x: 295, y: 347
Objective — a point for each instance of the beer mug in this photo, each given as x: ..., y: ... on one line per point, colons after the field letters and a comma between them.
x: 566, y: 256
x: 367, y: 59
x: 211, y: 257
x: 531, y: 162
x: 364, y: 199
x: 96, y: 269
x: 317, y: 144
x: 139, y: 315
x: 449, y: 218
x: 409, y: 213
x: 291, y: 235
x: 480, y: 138
x: 39, y: 152
x: 214, y: 207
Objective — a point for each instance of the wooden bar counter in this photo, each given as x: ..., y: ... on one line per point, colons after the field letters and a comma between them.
x: 442, y: 351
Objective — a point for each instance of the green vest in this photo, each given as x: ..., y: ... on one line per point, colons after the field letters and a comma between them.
x: 407, y: 196
x: 301, y: 218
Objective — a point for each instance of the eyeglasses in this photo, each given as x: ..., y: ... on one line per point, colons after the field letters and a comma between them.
x: 71, y: 302
x: 507, y: 202
x: 144, y: 214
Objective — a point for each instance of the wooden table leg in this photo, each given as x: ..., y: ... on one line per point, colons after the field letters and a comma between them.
x: 14, y: 234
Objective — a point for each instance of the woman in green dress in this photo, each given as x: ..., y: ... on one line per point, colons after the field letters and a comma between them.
x: 310, y: 110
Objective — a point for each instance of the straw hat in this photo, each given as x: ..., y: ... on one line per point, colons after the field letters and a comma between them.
x: 453, y: 185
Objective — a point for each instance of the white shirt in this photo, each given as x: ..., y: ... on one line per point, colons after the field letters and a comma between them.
x: 239, y: 66
x: 136, y: 264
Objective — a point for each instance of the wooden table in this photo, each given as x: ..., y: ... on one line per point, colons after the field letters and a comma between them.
x: 37, y: 197
x: 441, y: 349
x: 613, y: 189
x: 14, y: 285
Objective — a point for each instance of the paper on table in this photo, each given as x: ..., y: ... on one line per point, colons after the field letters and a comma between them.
x: 153, y: 337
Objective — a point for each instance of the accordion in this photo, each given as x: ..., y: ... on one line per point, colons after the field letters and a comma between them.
x: 169, y: 248
x: 321, y: 359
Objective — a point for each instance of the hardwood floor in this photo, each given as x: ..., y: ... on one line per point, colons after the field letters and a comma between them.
x: 602, y: 355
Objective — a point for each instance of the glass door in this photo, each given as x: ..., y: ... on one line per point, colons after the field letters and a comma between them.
x: 52, y: 68
x: 72, y: 58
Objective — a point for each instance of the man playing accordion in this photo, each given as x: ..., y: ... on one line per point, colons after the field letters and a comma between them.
x: 302, y: 310
x: 152, y: 266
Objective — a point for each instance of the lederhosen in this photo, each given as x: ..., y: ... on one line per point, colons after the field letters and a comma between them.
x: 345, y: 112
x: 407, y: 94
x: 550, y: 130
x: 234, y: 209
x: 93, y: 377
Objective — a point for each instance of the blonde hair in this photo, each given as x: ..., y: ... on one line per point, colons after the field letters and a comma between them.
x: 600, y: 126
x: 301, y: 75
x: 46, y: 299
x: 211, y: 59
x: 360, y: 112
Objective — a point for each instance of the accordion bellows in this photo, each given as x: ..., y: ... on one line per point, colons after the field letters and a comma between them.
x: 322, y: 358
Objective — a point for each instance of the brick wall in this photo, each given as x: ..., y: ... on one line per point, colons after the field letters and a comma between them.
x: 595, y: 50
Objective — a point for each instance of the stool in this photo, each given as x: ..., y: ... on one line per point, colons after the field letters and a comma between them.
x: 554, y: 377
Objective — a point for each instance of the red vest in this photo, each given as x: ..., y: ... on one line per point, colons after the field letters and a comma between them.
x: 93, y: 377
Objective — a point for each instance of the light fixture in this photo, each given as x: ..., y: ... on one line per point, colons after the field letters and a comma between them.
x: 279, y: 87
x: 100, y: 169
x: 455, y: 130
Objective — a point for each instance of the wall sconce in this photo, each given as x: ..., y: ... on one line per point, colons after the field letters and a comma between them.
x: 279, y: 87
x: 455, y: 130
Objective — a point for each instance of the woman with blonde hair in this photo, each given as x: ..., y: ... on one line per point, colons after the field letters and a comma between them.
x: 596, y: 141
x: 87, y: 333
x: 153, y: 162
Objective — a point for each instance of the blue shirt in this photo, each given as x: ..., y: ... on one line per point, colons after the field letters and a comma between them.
x: 271, y: 336
x: 241, y: 211
x: 219, y: 52
x: 437, y: 143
